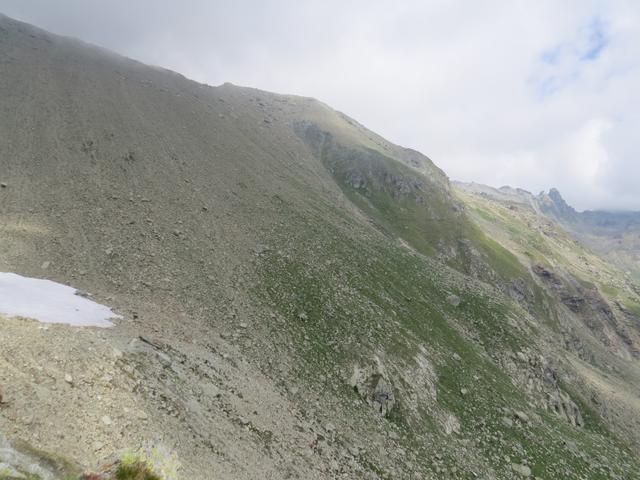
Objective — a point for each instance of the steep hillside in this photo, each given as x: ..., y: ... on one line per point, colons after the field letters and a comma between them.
x: 599, y: 305
x: 300, y: 297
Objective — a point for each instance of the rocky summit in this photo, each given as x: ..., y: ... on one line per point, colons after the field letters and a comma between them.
x: 297, y: 296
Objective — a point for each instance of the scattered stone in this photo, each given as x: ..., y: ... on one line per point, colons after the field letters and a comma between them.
x: 107, y: 420
x: 454, y: 300
x: 394, y: 436
x: 68, y: 378
x: 520, y: 469
x: 3, y: 185
x: 451, y: 425
x: 572, y: 447
x: 261, y: 249
x: 523, y: 417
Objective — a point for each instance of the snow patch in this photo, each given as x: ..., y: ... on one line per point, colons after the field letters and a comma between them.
x: 50, y: 302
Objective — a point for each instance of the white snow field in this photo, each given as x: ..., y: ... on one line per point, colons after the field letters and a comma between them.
x: 50, y: 302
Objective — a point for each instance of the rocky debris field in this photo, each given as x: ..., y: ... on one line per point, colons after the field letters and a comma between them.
x: 298, y: 297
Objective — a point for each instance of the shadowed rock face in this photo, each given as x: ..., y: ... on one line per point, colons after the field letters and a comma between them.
x: 553, y: 204
x: 374, y: 387
x: 592, y: 309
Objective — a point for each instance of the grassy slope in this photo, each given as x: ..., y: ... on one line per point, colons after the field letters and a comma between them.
x: 360, y: 295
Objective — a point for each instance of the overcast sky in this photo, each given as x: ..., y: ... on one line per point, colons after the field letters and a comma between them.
x: 532, y: 93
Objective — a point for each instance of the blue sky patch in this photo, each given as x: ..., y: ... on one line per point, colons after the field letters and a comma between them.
x: 561, y: 64
x: 597, y: 39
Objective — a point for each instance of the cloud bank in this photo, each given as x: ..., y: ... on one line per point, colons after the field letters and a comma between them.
x: 530, y: 94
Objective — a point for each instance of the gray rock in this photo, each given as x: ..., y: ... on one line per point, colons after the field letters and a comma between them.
x: 454, y: 300
x: 451, y: 425
x: 373, y: 386
x: 572, y: 447
x: 561, y: 404
x: 520, y: 469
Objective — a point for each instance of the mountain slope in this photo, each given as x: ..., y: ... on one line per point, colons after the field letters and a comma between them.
x: 615, y: 235
x: 301, y: 298
x: 599, y: 304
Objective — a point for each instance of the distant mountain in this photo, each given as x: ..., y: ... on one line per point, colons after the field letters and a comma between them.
x: 596, y: 222
x: 615, y: 235
x: 554, y: 205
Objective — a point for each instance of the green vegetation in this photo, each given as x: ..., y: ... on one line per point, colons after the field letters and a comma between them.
x: 135, y: 471
x: 346, y: 299
x: 347, y: 296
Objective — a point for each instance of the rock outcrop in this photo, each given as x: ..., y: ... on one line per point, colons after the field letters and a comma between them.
x: 374, y: 387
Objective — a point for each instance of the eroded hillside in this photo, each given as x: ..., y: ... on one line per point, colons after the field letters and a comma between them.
x: 300, y: 297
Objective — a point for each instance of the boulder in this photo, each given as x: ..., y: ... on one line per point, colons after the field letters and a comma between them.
x: 454, y: 300
x: 374, y: 387
x: 520, y: 469
x: 561, y: 404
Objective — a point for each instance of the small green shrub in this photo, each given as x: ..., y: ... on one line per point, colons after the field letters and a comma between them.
x: 135, y: 471
x: 150, y: 463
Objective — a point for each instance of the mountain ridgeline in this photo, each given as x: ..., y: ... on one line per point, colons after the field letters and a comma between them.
x: 614, y: 235
x: 300, y: 298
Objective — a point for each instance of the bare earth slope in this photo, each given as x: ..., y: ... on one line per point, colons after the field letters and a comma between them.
x: 300, y: 297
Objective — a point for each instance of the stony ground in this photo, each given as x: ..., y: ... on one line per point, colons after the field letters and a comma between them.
x: 300, y: 297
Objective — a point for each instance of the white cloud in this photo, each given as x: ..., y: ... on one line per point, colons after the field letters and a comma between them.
x: 532, y: 94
